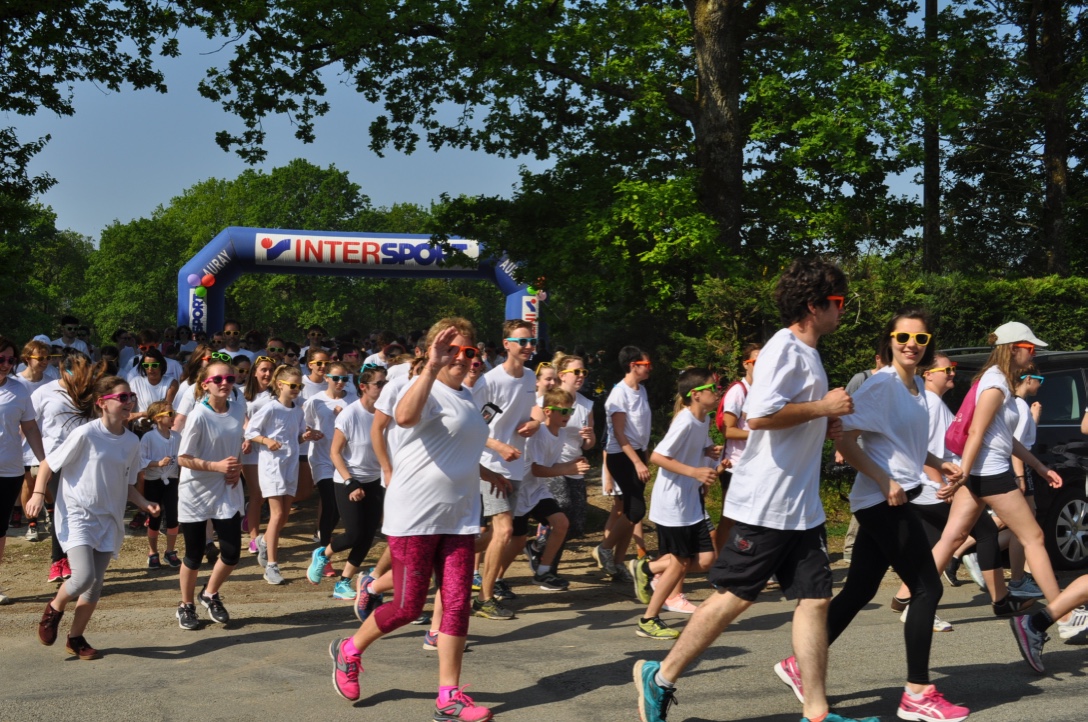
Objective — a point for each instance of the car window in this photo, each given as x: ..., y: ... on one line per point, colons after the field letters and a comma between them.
x: 1062, y: 397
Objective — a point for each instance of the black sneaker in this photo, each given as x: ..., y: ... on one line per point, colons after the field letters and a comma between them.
x: 951, y: 571
x: 1011, y: 605
x: 503, y: 592
x: 491, y: 609
x: 186, y: 615
x: 153, y: 561
x: 172, y: 559
x: 214, y: 605
x: 533, y: 554
x: 551, y: 581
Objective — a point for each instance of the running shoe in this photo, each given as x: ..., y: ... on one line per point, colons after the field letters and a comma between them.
x: 491, y: 609
x: 318, y: 560
x: 654, y: 628
x: 16, y: 519
x: 1011, y: 605
x: 214, y: 604
x: 365, y: 600
x: 460, y: 708
x: 422, y: 619
x: 328, y: 571
x: 56, y: 572
x: 1029, y: 641
x: 939, y: 625
x: 951, y: 571
x: 551, y: 581
x: 272, y: 574
x: 187, y: 618
x: 345, y: 671
x: 834, y: 717
x: 245, y: 519
x: 679, y: 604
x: 532, y: 554
x: 653, y: 581
x: 622, y: 575
x: 65, y: 568
x: 930, y: 707
x: 477, y: 581
x: 1026, y: 587
x: 1075, y: 631
x: 899, y: 605
x: 80, y: 647
x: 503, y: 592
x: 32, y: 534
x: 153, y: 561
x: 137, y: 520
x: 172, y: 559
x: 343, y: 590
x: 653, y: 699
x: 970, y: 562
x: 640, y: 574
x: 5, y: 599
x: 788, y: 671
x: 596, y: 554
x: 606, y: 559
x: 47, y: 626
x: 252, y: 546
x: 262, y: 551
x: 430, y: 641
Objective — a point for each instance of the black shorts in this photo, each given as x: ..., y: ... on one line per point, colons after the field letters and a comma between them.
x: 543, y: 509
x: 1002, y: 483
x: 753, y: 554
x: 684, y: 542
x: 724, y: 478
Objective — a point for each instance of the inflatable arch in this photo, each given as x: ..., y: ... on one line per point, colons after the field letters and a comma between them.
x: 202, y: 282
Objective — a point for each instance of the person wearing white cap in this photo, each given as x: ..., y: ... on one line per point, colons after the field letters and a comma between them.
x: 990, y: 481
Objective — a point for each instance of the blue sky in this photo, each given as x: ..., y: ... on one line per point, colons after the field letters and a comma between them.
x: 123, y: 154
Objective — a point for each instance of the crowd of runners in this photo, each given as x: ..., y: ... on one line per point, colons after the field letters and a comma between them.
x: 452, y: 448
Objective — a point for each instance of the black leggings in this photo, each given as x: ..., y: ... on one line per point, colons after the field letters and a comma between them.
x: 634, y: 491
x: 361, y: 518
x: 329, y: 513
x: 230, y: 540
x: 892, y: 535
x: 166, y: 496
x: 10, y: 488
x: 987, y: 547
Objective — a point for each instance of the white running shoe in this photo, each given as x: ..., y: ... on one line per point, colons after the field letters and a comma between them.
x: 1075, y: 631
x: 272, y: 573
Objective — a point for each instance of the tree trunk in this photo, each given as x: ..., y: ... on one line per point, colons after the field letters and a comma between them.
x: 931, y: 146
x: 1054, y: 89
x: 720, y: 29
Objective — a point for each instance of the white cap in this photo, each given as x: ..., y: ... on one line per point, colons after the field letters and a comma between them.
x: 43, y: 338
x: 1013, y: 332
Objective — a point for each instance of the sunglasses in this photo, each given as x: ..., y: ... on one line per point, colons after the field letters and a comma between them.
x: 561, y: 410
x: 921, y: 338
x: 705, y: 387
x: 371, y: 367
x: 232, y: 333
x: 56, y: 355
x: 315, y: 334
x: 291, y: 385
x: 1029, y: 346
x: 9, y: 360
x: 837, y: 301
x: 70, y: 328
x: 647, y: 364
x: 39, y: 358
x: 339, y: 379
x: 470, y: 352
x: 165, y: 413
x: 576, y: 372
x: 125, y: 397
x: 1038, y: 378
x: 146, y: 346
x: 220, y: 379
x: 292, y: 355
x: 748, y: 362
x: 319, y: 364
x: 275, y: 349
x: 523, y: 342
x: 950, y: 370
x: 379, y: 384
x: 353, y: 354
x: 259, y: 359
x: 220, y: 356
x: 151, y: 365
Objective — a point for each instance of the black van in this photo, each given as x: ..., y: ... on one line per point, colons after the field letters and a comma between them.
x: 1062, y: 513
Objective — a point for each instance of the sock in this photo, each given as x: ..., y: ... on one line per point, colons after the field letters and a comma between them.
x: 821, y: 718
x: 914, y: 695
x: 349, y: 648
x: 1041, y: 621
x: 661, y: 681
x: 543, y: 569
x: 444, y: 694
x: 903, y: 601
x: 646, y: 619
x: 344, y: 579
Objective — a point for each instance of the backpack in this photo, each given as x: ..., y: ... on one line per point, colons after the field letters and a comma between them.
x: 719, y: 418
x: 955, y: 438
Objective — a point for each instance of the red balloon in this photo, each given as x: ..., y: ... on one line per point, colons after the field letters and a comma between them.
x: 208, y: 281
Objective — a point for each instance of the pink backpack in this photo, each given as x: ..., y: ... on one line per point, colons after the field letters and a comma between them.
x: 955, y: 438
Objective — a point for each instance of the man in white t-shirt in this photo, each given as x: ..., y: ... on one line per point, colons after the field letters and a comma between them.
x: 232, y: 340
x: 69, y: 327
x: 774, y: 498
x: 510, y: 395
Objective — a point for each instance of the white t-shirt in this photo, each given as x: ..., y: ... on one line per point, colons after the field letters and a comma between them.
x: 79, y: 345
x: 319, y: 413
x: 635, y: 405
x: 435, y: 487
x: 516, y: 397
x: 376, y: 359
x: 544, y: 448
x: 31, y: 386
x: 96, y: 468
x: 355, y: 423
x: 278, y: 469
x: 172, y: 372
x: 776, y: 483
x: 894, y: 427
x: 387, y: 404
x: 146, y: 392
x: 733, y: 403
x: 398, y: 371
x: 940, y: 416
x: 211, y: 436
x: 15, y: 408
x: 187, y: 347
x: 570, y: 434
x: 259, y: 402
x: 240, y: 352
x: 311, y: 388
x: 55, y: 413
x: 154, y: 447
x: 1025, y: 427
x: 676, y: 500
x: 994, y: 456
x: 124, y: 359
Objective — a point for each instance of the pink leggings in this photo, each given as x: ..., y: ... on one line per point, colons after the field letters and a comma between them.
x: 449, y: 557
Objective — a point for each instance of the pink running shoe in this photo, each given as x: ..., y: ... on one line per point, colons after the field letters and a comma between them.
x: 680, y: 604
x: 328, y: 571
x: 345, y: 671
x: 932, y: 707
x: 65, y: 568
x: 56, y: 572
x: 788, y: 671
x: 252, y: 546
x: 460, y: 708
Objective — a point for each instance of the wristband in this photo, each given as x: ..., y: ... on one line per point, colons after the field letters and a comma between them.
x: 37, y: 492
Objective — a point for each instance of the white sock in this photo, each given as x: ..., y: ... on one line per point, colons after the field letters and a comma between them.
x: 543, y: 569
x: 661, y: 681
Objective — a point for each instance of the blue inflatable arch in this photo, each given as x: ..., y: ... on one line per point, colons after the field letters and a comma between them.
x: 203, y: 281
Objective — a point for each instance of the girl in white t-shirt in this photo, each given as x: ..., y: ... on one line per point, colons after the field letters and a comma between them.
x: 256, y: 395
x: 320, y: 412
x: 159, y: 454
x: 149, y: 383
x: 546, y: 378
x: 687, y: 466
x: 185, y: 398
x: 279, y: 428
x: 733, y: 423
x: 97, y: 467
x: 1022, y: 583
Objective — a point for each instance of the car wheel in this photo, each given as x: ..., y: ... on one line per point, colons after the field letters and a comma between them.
x: 1066, y: 530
